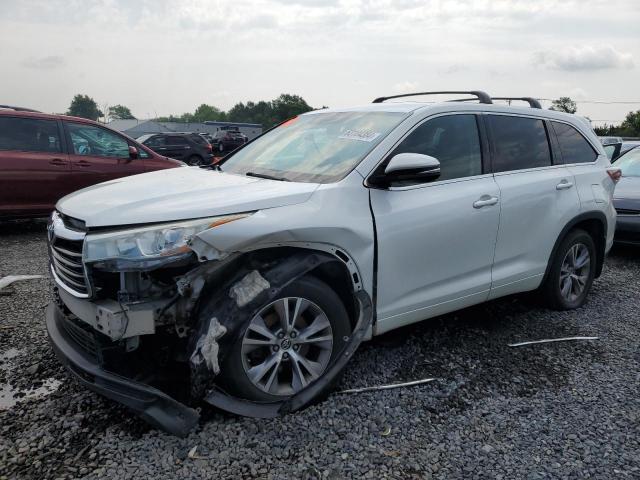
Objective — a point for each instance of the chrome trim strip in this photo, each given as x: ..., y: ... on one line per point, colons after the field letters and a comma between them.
x: 67, y: 289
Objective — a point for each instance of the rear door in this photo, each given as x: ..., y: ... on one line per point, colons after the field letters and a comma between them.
x: 98, y: 154
x: 538, y: 198
x: 34, y: 170
x: 436, y: 240
x: 177, y: 147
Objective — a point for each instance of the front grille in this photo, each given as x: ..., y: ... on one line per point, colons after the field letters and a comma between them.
x: 625, y: 211
x: 66, y: 258
x: 82, y: 335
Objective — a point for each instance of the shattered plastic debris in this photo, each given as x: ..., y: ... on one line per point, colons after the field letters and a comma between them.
x: 389, y: 386
x: 8, y: 280
x: 207, y: 347
x: 550, y: 340
x: 244, y: 291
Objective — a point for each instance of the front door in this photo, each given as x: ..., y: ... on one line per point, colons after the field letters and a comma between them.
x: 98, y: 155
x: 436, y: 240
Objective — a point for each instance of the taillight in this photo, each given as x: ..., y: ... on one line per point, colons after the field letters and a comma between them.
x: 209, y: 147
x: 615, y: 174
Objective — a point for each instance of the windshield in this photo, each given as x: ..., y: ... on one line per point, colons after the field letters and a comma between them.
x: 322, y: 147
x: 629, y: 163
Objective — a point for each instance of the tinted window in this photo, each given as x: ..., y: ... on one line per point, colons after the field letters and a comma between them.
x: 574, y: 147
x: 156, y: 141
x: 199, y: 139
x: 96, y: 141
x: 453, y: 140
x: 177, y: 141
x: 519, y: 143
x: 29, y: 135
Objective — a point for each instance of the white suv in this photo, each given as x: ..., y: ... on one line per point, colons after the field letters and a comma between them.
x: 251, y: 285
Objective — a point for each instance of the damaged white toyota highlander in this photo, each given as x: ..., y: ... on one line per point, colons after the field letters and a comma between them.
x: 250, y: 285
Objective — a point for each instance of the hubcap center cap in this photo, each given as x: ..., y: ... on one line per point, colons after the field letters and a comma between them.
x: 285, y: 344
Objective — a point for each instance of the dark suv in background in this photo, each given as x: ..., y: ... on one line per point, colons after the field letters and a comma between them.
x: 191, y: 148
x: 228, y: 140
x: 45, y: 157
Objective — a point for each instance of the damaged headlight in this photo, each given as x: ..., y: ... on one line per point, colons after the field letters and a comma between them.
x: 157, y: 242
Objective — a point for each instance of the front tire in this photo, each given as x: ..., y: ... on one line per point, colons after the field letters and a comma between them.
x: 195, y: 160
x: 288, y: 344
x: 572, y: 272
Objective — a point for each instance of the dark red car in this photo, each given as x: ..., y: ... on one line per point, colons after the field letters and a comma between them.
x: 44, y: 157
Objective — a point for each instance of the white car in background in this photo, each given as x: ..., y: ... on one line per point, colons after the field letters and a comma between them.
x: 251, y: 285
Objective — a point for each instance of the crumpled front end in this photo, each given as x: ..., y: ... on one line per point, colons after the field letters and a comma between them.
x: 153, y: 336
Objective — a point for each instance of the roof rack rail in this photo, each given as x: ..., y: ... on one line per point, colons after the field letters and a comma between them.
x: 533, y: 103
x: 19, y: 109
x: 482, y: 97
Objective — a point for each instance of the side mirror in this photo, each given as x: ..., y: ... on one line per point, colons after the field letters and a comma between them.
x: 133, y: 152
x: 412, y: 166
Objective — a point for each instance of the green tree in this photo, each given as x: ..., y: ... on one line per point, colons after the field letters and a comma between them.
x: 631, y: 124
x: 208, y: 112
x: 84, y: 106
x: 120, y: 112
x: 564, y: 104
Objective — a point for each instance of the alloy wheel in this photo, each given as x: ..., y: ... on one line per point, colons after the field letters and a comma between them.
x: 287, y: 345
x: 574, y: 272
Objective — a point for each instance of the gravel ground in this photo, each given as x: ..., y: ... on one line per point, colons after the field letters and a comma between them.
x: 562, y: 410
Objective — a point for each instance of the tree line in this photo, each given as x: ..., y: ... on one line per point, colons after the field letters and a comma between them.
x: 266, y: 113
x: 272, y: 112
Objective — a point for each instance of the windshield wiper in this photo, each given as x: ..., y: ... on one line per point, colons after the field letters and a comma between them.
x: 268, y: 177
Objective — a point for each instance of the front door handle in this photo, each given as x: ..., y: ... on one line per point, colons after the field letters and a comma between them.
x: 57, y: 162
x: 485, y: 201
x: 564, y: 185
x: 83, y: 163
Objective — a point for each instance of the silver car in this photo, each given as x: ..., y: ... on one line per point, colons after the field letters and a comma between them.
x: 250, y: 285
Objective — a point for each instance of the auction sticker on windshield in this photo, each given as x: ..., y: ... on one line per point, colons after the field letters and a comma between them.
x: 362, y: 135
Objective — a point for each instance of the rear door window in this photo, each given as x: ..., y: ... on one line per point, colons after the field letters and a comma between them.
x: 29, y: 135
x: 175, y: 140
x: 573, y: 146
x: 519, y: 143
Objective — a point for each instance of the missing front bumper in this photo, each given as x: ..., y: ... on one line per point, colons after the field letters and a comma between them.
x: 154, y: 406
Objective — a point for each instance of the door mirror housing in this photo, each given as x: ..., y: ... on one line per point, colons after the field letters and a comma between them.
x: 133, y: 152
x: 414, y: 167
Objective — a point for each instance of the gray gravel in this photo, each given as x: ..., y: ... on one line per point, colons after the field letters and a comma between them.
x: 562, y: 410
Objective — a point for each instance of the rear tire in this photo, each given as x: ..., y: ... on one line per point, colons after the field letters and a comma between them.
x: 271, y: 365
x: 572, y: 272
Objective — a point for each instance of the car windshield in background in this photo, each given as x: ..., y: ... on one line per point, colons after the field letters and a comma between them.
x: 321, y: 147
x: 629, y: 163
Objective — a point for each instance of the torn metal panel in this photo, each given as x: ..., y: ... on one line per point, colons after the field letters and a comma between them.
x: 207, y: 347
x: 551, y: 340
x: 251, y: 285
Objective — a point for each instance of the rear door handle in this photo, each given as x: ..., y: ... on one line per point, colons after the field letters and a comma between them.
x: 57, y: 161
x: 83, y: 163
x: 485, y: 201
x: 564, y: 185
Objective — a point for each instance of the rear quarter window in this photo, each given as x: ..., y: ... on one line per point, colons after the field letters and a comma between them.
x: 519, y: 143
x: 573, y: 146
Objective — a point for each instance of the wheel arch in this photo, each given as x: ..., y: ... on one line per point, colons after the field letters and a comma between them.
x: 594, y: 223
x: 277, y: 267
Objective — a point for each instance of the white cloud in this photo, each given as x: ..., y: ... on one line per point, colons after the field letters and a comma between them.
x: 44, y: 63
x: 405, y: 87
x: 585, y: 57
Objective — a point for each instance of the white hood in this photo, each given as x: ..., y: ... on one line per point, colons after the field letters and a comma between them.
x: 178, y: 194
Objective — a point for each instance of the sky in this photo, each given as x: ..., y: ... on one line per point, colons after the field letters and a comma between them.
x: 162, y: 57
